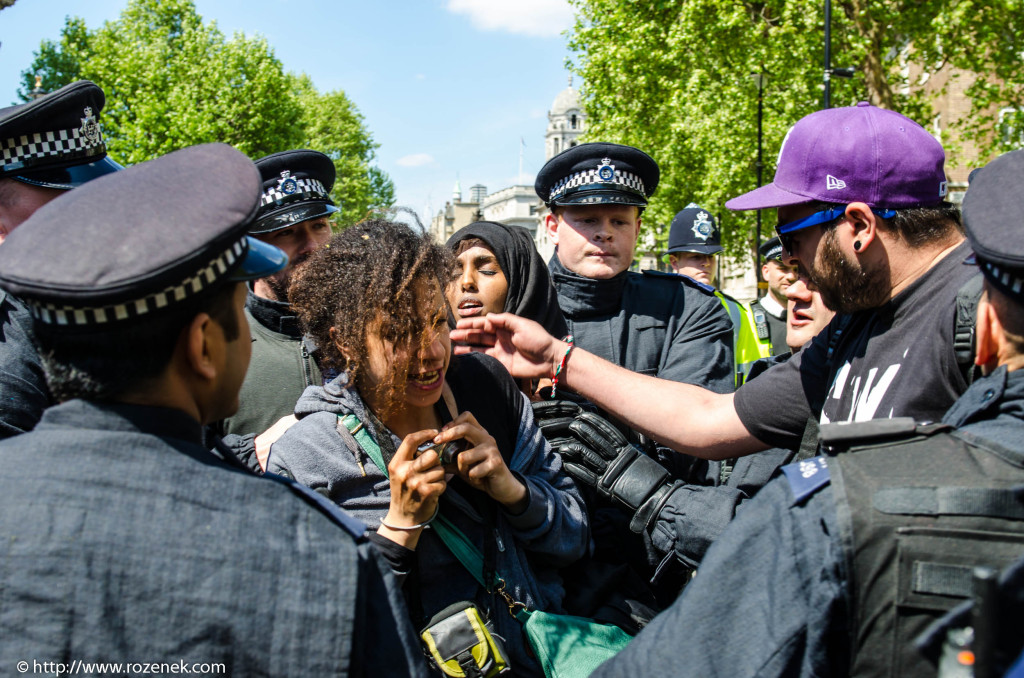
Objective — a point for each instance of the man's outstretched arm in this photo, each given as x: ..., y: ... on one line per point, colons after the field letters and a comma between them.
x: 681, y: 416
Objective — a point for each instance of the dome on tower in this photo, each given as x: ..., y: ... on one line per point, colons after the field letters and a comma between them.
x: 568, y: 99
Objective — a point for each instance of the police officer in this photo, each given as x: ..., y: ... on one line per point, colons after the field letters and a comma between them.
x: 693, y: 243
x: 130, y: 542
x: 647, y: 323
x: 840, y: 563
x: 294, y: 215
x: 769, y: 311
x: 50, y: 146
x: 651, y: 323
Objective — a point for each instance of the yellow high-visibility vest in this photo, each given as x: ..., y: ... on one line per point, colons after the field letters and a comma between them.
x: 748, y: 348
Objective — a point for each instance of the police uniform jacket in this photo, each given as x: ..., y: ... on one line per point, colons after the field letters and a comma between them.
x: 23, y: 390
x: 124, y: 540
x: 650, y: 323
x: 774, y: 594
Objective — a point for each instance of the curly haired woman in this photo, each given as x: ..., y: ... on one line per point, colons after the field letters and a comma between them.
x: 374, y: 302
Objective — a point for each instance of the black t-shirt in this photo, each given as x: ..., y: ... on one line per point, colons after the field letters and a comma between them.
x: 893, y: 361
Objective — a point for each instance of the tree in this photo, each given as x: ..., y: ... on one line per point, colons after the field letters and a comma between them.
x: 172, y: 80
x: 674, y: 77
x: 334, y: 126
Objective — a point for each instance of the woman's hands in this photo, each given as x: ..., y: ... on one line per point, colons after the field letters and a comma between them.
x: 481, y: 465
x: 417, y: 483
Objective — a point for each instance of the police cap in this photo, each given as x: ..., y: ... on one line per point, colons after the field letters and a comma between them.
x: 993, y: 216
x: 694, y: 230
x: 596, y: 174
x: 133, y: 243
x: 55, y: 141
x: 771, y: 250
x: 296, y: 187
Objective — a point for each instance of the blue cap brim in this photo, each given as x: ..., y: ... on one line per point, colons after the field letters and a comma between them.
x: 277, y: 219
x: 66, y: 178
x: 261, y: 260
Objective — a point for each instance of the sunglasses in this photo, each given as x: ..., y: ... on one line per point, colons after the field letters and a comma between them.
x: 786, y: 230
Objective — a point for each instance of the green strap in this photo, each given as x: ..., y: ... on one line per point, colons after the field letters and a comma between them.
x: 457, y: 542
x: 362, y: 436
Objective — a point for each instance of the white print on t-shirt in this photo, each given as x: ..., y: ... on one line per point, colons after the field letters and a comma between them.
x: 866, y: 393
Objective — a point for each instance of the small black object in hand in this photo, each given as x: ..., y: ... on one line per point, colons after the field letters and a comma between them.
x: 448, y: 452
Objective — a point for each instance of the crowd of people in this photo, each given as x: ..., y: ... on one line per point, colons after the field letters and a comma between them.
x: 235, y: 436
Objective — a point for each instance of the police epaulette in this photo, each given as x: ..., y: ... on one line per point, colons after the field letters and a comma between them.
x: 681, y: 278
x: 806, y: 476
x: 840, y: 436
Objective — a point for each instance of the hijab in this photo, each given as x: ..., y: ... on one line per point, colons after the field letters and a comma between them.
x: 530, y: 292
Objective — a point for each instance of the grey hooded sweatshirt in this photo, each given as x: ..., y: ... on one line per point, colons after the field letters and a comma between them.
x: 527, y: 548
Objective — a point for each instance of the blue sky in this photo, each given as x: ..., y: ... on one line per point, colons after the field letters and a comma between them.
x: 447, y: 87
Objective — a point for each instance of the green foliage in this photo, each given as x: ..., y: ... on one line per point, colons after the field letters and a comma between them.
x: 673, y: 77
x: 172, y: 80
x: 59, y: 63
x: 334, y: 126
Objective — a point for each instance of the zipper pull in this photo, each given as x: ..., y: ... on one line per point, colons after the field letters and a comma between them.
x: 359, y: 458
x: 497, y: 538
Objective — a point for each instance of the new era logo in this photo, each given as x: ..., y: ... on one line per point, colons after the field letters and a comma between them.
x: 831, y: 183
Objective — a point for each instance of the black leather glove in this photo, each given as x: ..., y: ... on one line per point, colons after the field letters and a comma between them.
x: 600, y: 456
x: 553, y: 417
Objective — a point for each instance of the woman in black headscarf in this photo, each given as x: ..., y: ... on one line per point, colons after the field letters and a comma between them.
x: 529, y: 294
x: 499, y: 270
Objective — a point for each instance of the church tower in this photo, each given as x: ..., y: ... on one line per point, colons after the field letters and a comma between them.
x: 565, y: 122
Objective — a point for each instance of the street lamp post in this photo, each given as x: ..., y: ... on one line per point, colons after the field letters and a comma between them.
x: 829, y: 71
x: 760, y: 79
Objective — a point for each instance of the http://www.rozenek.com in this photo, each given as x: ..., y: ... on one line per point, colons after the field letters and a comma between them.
x: 80, y: 668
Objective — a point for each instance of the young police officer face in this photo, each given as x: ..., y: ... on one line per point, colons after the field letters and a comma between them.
x: 595, y: 241
x: 479, y: 286
x: 700, y: 267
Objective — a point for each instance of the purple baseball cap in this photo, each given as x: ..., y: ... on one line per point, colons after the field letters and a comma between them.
x: 854, y: 154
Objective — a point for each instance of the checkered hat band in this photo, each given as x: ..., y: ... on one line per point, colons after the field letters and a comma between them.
x: 1007, y: 280
x: 53, y: 314
x: 30, y: 150
x: 308, y: 189
x: 624, y: 179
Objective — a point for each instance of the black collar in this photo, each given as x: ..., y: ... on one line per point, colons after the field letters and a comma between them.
x: 581, y: 297
x: 276, y: 316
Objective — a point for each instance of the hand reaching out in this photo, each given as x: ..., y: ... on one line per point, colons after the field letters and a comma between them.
x: 522, y: 346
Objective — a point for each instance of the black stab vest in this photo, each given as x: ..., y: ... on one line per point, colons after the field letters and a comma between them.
x: 915, y: 518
